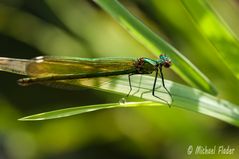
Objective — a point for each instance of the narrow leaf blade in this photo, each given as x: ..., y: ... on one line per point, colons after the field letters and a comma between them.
x: 183, y: 97
x: 216, y: 31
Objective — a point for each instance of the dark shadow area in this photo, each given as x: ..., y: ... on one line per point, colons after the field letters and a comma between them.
x: 100, y: 150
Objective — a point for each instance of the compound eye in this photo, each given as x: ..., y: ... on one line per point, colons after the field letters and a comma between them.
x: 167, y: 64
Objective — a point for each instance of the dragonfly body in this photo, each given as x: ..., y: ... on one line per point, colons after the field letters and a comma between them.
x: 52, y: 69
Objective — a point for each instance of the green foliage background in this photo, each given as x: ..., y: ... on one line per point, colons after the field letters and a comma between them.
x: 81, y: 28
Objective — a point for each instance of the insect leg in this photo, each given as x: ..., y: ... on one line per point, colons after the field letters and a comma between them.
x: 154, y: 87
x: 162, y: 77
x: 130, y: 86
x: 140, y: 80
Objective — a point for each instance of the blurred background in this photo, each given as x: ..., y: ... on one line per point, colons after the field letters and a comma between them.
x: 80, y: 28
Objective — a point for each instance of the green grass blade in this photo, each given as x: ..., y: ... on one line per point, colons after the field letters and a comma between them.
x: 183, y: 97
x: 83, y: 109
x: 155, y: 44
x: 221, y: 37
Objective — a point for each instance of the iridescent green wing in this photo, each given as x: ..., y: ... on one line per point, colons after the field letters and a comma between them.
x: 76, y: 84
x: 52, y: 66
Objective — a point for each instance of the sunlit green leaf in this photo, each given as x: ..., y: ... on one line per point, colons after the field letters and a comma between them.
x: 216, y: 32
x: 83, y: 109
x: 183, y: 97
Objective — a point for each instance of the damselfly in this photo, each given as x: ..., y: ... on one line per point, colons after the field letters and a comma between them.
x: 52, y: 69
